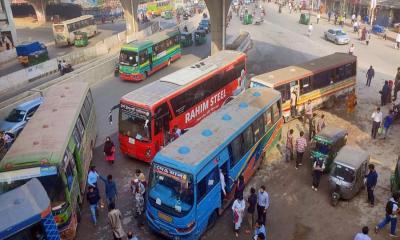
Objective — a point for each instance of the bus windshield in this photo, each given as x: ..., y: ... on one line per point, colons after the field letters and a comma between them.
x: 343, y: 173
x: 53, y: 185
x: 135, y: 122
x: 128, y: 58
x: 171, y: 191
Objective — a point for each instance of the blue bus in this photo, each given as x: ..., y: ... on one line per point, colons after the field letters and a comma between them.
x: 184, y: 196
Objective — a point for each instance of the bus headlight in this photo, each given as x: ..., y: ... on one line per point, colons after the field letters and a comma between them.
x: 148, y: 153
x: 189, y: 228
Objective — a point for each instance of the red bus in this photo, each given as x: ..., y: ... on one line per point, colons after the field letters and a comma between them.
x: 148, y: 115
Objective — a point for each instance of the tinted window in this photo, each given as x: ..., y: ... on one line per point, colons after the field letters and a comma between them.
x: 267, y: 120
x: 341, y: 75
x: 305, y: 85
x: 276, y: 110
x: 285, y: 91
x: 321, y: 79
x: 237, y: 150
x: 205, y: 185
x: 248, y: 139
x: 258, y: 128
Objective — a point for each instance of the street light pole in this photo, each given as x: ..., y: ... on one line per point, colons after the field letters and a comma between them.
x: 223, y: 25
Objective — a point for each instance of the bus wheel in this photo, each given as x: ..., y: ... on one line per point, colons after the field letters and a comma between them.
x: 145, y: 75
x: 330, y: 103
x: 212, y: 220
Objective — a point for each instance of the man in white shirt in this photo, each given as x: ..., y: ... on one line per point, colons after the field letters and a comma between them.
x: 377, y: 119
x: 363, y: 235
x: 308, y: 111
x: 262, y: 204
x: 398, y: 41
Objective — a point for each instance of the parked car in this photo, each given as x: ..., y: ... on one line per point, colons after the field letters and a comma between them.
x: 337, y: 36
x: 19, y: 116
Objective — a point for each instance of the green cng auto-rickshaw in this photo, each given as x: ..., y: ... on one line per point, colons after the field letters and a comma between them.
x: 247, y: 19
x: 81, y: 39
x: 200, y: 37
x: 168, y: 15
x: 346, y: 178
x: 186, y: 39
x: 304, y: 18
x: 326, y: 144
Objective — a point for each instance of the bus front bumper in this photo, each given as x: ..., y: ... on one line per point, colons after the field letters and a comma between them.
x: 167, y: 231
x: 131, y: 77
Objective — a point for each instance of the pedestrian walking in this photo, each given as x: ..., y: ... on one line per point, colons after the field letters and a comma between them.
x: 259, y: 229
x: 109, y: 150
x: 355, y: 27
x: 239, y: 187
x: 318, y: 17
x: 398, y: 41
x: 93, y: 199
x: 140, y: 176
x: 387, y: 123
x: 321, y: 123
x: 336, y: 18
x: 262, y: 205
x: 376, y: 122
x: 329, y: 16
x: 312, y: 126
x: 367, y: 37
x: 110, y: 189
x: 310, y: 30
x: 389, y: 95
x: 370, y: 75
x: 59, y: 66
x: 351, y: 101
x: 131, y: 236
x: 293, y: 104
x: 384, y: 93
x: 251, y: 209
x: 363, y: 235
x: 353, y: 18
x: 138, y: 192
x: 371, y: 181
x: 308, y: 112
x: 392, y: 210
x: 93, y: 176
x: 363, y: 34
x: 289, y: 146
x: 351, y: 49
x: 115, y: 220
x: 396, y: 84
x: 318, y: 169
x: 301, y: 144
x: 238, y: 207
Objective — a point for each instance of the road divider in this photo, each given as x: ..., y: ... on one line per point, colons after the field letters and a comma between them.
x: 241, y: 43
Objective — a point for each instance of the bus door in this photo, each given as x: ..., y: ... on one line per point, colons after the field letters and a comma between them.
x: 150, y: 52
x: 162, y: 119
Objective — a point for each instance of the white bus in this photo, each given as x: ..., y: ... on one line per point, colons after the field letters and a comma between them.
x: 64, y: 32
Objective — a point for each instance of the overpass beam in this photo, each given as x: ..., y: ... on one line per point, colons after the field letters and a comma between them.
x: 130, y: 12
x: 40, y: 9
x: 218, y: 28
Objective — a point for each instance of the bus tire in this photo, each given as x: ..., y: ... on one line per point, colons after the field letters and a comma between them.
x: 330, y: 102
x: 212, y: 220
x: 145, y: 75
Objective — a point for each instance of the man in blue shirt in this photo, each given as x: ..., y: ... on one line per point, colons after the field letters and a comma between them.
x: 372, y: 179
x: 111, y: 189
x: 260, y: 228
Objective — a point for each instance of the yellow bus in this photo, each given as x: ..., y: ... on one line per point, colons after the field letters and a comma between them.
x: 322, y: 80
x: 64, y: 32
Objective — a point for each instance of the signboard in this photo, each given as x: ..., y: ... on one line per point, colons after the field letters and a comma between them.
x: 168, y: 172
x: 135, y: 112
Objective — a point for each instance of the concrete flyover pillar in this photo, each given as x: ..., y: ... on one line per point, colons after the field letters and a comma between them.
x: 130, y: 12
x: 217, y: 16
x: 40, y: 9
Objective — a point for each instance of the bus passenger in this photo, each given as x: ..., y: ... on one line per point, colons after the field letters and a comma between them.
x: 178, y: 131
x: 293, y: 103
x: 308, y: 112
x: 238, y: 207
x: 223, y: 184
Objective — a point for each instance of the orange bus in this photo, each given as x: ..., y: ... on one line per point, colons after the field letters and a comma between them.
x: 148, y: 115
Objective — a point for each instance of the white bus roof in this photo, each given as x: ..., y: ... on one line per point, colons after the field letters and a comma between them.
x: 210, y: 136
x: 157, y: 90
x: 75, y: 19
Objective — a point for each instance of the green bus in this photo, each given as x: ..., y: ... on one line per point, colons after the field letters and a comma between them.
x: 56, y: 147
x: 155, y: 8
x: 140, y: 59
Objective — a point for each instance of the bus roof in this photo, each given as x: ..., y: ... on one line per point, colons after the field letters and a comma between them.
x: 157, y: 90
x: 75, y: 19
x: 157, y: 37
x: 205, y: 140
x: 22, y: 207
x: 299, y: 71
x: 46, y: 135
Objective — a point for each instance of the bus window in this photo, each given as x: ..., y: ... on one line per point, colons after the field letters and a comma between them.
x: 236, y: 149
x: 276, y: 111
x: 305, y: 85
x: 267, y: 120
x: 206, y: 184
x: 143, y: 56
x: 285, y: 91
x: 321, y: 80
x: 341, y: 75
x: 248, y: 139
x: 349, y: 70
x: 258, y: 128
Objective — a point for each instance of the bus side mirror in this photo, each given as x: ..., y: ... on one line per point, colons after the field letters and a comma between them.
x: 110, y: 118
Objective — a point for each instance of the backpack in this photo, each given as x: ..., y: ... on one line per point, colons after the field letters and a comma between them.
x: 389, y: 207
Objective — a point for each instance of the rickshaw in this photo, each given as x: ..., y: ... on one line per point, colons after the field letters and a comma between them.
x: 304, y: 18
x: 186, y: 39
x: 81, y: 39
x: 32, y: 53
x: 200, y: 37
x: 326, y: 144
x: 395, y: 178
x: 247, y: 19
x: 346, y: 178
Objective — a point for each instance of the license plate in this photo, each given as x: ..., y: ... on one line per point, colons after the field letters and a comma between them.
x: 164, y: 217
x: 131, y: 140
